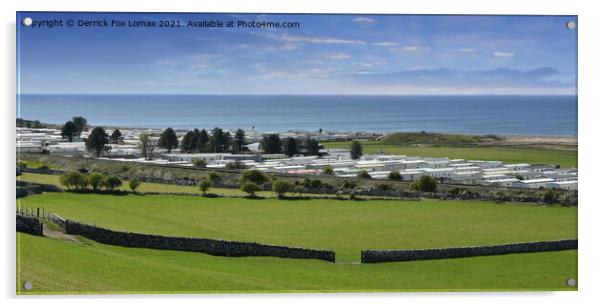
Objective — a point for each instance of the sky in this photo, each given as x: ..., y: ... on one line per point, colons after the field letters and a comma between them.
x: 325, y: 54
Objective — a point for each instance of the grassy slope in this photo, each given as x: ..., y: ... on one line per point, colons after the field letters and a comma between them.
x: 345, y: 226
x: 145, y: 186
x: 564, y: 158
x: 59, y: 266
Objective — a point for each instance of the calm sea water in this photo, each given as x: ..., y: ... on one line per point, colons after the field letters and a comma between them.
x: 520, y: 115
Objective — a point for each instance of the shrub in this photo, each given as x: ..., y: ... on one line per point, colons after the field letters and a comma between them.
x: 214, y: 177
x: 235, y: 165
x: 363, y: 174
x: 73, y: 180
x: 425, y: 184
x: 352, y: 195
x: 394, y: 175
x: 134, y: 183
x: 199, y: 162
x: 95, y: 180
x: 456, y: 191
x: 281, y: 187
x: 328, y: 170
x: 111, y: 183
x: 383, y: 187
x: 250, y: 188
x: 549, y: 197
x: 299, y: 190
x: 348, y: 185
x: 21, y: 164
x: 204, y: 186
x: 254, y: 176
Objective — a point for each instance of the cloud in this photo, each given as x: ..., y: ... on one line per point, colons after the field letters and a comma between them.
x: 363, y: 20
x: 386, y: 44
x: 309, y: 39
x: 465, y: 50
x: 321, y: 40
x: 410, y: 49
x: 502, y: 54
x: 543, y: 77
x: 338, y: 56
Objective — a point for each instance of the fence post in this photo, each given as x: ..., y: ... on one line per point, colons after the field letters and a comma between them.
x: 38, y: 212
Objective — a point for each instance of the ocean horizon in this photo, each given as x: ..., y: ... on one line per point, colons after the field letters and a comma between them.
x: 544, y: 115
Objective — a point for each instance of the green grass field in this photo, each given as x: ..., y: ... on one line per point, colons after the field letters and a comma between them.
x: 56, y: 266
x: 564, y: 158
x: 344, y: 226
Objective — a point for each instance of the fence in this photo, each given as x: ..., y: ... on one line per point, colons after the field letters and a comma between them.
x: 29, y: 224
x: 370, y: 256
x: 208, y: 246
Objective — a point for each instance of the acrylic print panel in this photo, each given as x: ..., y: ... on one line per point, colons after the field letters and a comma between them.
x: 226, y: 153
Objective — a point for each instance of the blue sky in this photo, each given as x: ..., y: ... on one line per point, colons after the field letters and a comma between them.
x: 327, y: 54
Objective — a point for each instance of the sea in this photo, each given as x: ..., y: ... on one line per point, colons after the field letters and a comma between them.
x: 502, y: 115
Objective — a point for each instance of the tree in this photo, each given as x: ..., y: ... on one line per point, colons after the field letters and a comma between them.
x: 134, y: 183
x: 239, y: 141
x: 328, y: 170
x: 425, y: 184
x: 363, y: 174
x: 204, y: 186
x: 111, y: 183
x: 98, y: 141
x: 219, y: 141
x: 312, y: 147
x: 189, y: 141
x: 199, y: 162
x: 80, y: 123
x: 255, y: 176
x: 116, y: 137
x: 394, y: 175
x: 272, y: 144
x: 69, y: 131
x: 146, y: 146
x: 250, y: 188
x: 168, y: 140
x: 202, y: 141
x: 75, y: 180
x: 281, y: 187
x: 290, y: 147
x: 95, y: 180
x: 356, y: 150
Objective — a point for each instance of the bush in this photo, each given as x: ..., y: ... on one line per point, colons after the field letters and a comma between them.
x: 204, y: 186
x: 250, y: 188
x: 74, y: 180
x: 214, y: 177
x: 425, y: 184
x: 199, y: 162
x: 254, y: 176
x: 21, y: 164
x: 383, y: 187
x: 299, y: 190
x: 281, y: 187
x: 95, y: 180
x: 549, y: 197
x: 134, y: 183
x: 363, y: 174
x: 328, y: 170
x: 394, y: 175
x: 111, y: 183
x: 235, y: 165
